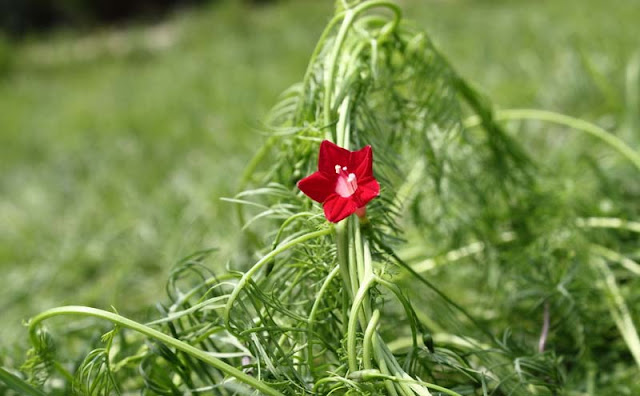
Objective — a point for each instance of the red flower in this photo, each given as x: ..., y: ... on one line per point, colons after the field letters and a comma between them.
x: 344, y: 182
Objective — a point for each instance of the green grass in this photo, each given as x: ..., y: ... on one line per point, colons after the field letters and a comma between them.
x: 115, y: 153
x: 116, y: 145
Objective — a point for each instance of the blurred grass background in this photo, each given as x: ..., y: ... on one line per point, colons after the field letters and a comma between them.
x: 116, y: 143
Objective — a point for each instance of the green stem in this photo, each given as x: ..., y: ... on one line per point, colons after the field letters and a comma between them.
x: 255, y: 161
x: 331, y: 67
x: 353, y: 317
x: 247, y: 275
x: 353, y: 266
x: 316, y: 52
x: 312, y: 314
x: 374, y: 374
x: 18, y: 385
x: 343, y: 127
x: 342, y: 242
x: 248, y: 172
x: 614, y: 256
x: 561, y: 119
x: 398, y: 373
x: 171, y: 316
x: 619, y: 310
x: 413, y: 321
x: 367, y: 269
x: 356, y: 266
x: 498, y: 138
x: 367, y: 343
x: 609, y: 222
x: 348, y: 17
x: 331, y: 25
x: 210, y: 283
x: 359, y: 252
x: 284, y: 225
x: 379, y: 355
x: 439, y: 292
x: 342, y: 246
x: 150, y: 332
x: 458, y: 254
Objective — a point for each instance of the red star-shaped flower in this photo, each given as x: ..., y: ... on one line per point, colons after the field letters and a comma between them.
x: 344, y: 182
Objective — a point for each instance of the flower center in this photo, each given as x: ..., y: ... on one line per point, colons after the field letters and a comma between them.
x: 347, y: 183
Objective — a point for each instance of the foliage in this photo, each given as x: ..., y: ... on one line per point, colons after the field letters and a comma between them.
x: 521, y: 245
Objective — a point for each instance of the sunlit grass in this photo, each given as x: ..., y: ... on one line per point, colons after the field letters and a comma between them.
x: 115, y: 154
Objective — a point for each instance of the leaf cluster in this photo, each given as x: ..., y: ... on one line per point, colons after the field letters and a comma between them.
x: 504, y: 274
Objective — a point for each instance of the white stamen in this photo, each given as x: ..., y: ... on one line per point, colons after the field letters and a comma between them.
x: 346, y: 185
x: 344, y: 168
x: 338, y: 169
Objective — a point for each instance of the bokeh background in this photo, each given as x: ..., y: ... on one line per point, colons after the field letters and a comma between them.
x: 123, y: 123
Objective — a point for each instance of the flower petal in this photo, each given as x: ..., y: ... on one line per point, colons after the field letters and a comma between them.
x: 330, y: 156
x: 317, y: 186
x: 337, y: 208
x: 361, y: 162
x: 367, y: 190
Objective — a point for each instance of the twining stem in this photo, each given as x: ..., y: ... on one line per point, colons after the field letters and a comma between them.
x: 367, y: 343
x: 152, y: 333
x: 397, y: 372
x: 266, y: 259
x: 379, y: 355
x: 372, y: 374
x: 407, y: 307
x: 360, y: 266
x: 209, y: 303
x: 353, y: 317
x: 363, y: 268
x: 353, y: 251
x: 329, y: 71
x: 575, y: 123
x: 284, y: 225
x: 331, y: 25
x: 347, y: 17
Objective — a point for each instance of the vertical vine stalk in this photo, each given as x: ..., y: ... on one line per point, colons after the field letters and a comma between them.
x: 353, y: 250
